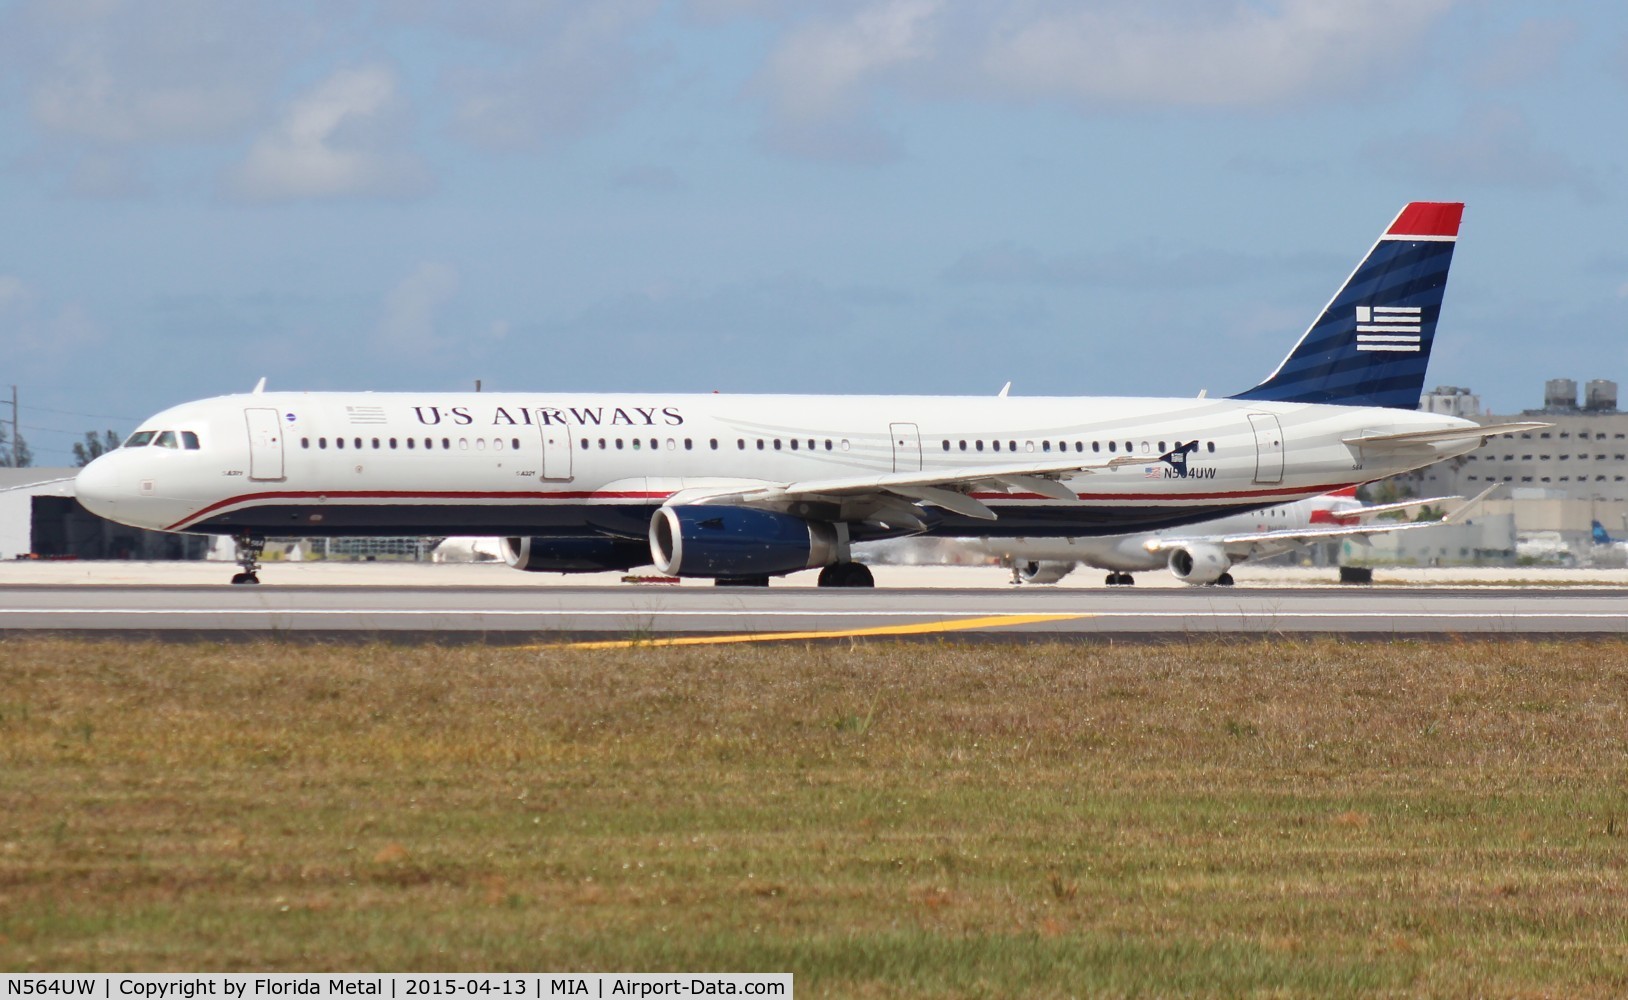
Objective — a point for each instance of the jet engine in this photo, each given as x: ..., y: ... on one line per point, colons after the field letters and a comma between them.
x: 1044, y: 572
x: 723, y: 541
x: 584, y: 554
x: 1199, y: 563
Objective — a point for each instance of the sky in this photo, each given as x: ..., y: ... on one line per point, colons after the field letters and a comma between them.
x: 1125, y: 197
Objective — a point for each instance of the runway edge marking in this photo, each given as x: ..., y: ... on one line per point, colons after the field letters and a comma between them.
x: 918, y: 628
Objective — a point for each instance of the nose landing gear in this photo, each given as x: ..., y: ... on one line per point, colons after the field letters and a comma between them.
x: 248, y: 557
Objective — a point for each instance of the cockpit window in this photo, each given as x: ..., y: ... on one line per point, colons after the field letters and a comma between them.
x: 189, y: 440
x: 140, y: 439
x: 165, y: 439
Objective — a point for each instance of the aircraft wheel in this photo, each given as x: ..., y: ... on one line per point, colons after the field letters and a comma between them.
x: 847, y: 575
x: 238, y: 579
x: 1224, y: 580
x: 1126, y: 580
x: 1112, y: 579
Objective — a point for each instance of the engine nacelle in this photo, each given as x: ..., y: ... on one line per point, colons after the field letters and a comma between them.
x: 722, y: 541
x: 1044, y: 572
x: 586, y: 554
x: 1199, y: 563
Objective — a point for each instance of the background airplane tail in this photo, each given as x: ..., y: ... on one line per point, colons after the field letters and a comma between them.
x: 1371, y: 345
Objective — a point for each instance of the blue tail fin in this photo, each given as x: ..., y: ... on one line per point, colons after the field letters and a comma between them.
x: 1601, y: 536
x: 1372, y: 343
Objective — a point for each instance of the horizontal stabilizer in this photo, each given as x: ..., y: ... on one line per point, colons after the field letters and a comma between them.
x: 1407, y: 438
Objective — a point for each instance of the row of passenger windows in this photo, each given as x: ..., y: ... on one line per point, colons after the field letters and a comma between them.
x: 1541, y: 479
x: 1563, y: 458
x: 164, y: 439
x: 479, y: 444
x: 1581, y: 435
x: 763, y: 444
x: 168, y: 440
x: 1079, y: 446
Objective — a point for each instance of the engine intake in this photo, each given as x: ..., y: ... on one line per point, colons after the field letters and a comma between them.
x: 1044, y: 572
x: 585, y: 554
x: 722, y: 541
x: 1199, y: 563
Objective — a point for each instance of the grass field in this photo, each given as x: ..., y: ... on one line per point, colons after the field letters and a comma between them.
x: 1257, y: 818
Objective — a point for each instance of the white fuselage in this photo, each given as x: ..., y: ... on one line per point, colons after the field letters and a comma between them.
x: 294, y: 464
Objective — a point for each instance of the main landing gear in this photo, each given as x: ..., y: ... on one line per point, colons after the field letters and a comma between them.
x: 1120, y: 580
x: 848, y: 574
x: 248, y: 557
x: 1224, y: 580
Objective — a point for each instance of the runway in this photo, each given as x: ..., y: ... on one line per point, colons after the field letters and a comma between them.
x: 666, y: 615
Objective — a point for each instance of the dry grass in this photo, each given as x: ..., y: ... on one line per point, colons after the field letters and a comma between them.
x: 1280, y: 818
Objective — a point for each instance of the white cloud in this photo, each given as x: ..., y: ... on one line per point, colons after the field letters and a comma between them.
x: 161, y: 70
x: 1492, y: 144
x: 552, y: 70
x: 1201, y: 54
x: 825, y: 77
x: 412, y: 310
x: 14, y: 293
x: 818, y: 67
x: 340, y: 139
x: 820, y: 77
x: 39, y: 332
x: 1532, y: 50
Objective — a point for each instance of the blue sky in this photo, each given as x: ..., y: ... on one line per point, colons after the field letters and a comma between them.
x: 1146, y: 197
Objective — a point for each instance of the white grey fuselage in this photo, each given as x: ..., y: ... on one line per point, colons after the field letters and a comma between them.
x: 271, y: 464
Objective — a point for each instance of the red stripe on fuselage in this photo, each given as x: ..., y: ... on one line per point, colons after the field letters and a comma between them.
x: 248, y: 498
x: 406, y: 495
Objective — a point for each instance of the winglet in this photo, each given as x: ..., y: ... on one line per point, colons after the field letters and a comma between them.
x: 260, y: 386
x: 1462, y: 510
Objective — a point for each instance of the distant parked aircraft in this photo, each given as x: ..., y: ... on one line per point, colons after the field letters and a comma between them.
x: 1204, y: 553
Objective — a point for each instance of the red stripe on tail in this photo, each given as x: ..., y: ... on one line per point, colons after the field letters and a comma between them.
x: 1428, y: 218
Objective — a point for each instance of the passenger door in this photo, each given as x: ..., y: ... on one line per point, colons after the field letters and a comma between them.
x: 906, y: 447
x: 1268, y: 448
x: 265, y: 443
x: 556, y: 439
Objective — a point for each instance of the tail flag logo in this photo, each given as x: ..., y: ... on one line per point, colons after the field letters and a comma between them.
x: 1388, y: 328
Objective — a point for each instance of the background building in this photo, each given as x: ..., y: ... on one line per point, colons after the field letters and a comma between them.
x: 1559, y: 480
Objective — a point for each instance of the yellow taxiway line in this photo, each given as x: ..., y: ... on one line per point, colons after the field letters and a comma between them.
x: 916, y: 628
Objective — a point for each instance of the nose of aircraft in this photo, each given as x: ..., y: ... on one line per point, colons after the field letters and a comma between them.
x: 97, y: 486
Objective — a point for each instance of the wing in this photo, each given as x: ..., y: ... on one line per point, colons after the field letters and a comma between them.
x: 945, y: 488
x: 37, y: 485
x: 1253, y: 545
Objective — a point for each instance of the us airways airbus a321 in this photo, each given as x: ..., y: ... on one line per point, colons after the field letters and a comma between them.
x: 741, y: 488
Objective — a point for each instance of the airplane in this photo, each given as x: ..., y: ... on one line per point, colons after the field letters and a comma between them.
x: 1206, y: 556
x: 742, y: 488
x: 1604, y: 550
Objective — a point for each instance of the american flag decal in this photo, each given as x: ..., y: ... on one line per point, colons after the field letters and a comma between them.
x: 1152, y: 472
x: 1388, y: 328
x: 365, y: 414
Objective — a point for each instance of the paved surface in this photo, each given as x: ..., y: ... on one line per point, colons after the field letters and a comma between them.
x: 456, y: 607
